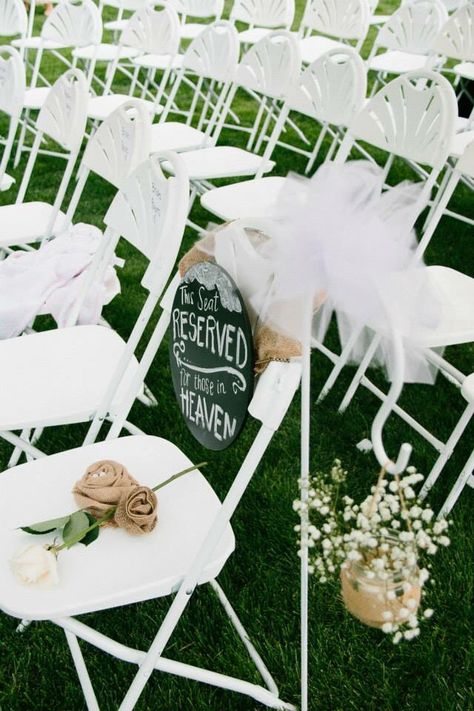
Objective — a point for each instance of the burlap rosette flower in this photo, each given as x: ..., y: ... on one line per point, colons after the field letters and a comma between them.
x: 102, y: 486
x: 136, y: 511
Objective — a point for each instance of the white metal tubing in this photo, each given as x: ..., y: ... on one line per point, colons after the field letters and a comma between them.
x: 241, y: 631
x: 414, y: 424
x: 434, y: 219
x: 82, y: 672
x: 61, y: 193
x: 256, y: 124
x: 29, y: 168
x: 188, y: 585
x: 134, y: 339
x: 447, y: 450
x: 141, y: 372
x: 463, y: 479
x: 317, y: 147
x: 304, y: 487
x: 340, y: 363
x: 25, y: 446
x: 392, y: 396
x: 364, y: 364
x: 83, y: 173
x: 17, y: 452
x: 171, y: 666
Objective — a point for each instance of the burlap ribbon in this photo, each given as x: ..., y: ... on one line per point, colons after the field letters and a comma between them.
x: 270, y: 345
x: 108, y: 483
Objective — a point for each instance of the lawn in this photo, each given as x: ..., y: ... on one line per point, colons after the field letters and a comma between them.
x: 351, y: 666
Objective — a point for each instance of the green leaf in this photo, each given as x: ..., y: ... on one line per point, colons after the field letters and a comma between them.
x: 78, y: 522
x: 92, y: 535
x: 48, y: 526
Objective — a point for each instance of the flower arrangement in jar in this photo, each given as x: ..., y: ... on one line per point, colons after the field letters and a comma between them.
x: 380, y: 548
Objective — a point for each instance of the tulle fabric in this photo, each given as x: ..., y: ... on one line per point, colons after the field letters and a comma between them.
x: 342, y: 240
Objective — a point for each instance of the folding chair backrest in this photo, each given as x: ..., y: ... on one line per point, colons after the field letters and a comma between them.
x: 199, y: 8
x: 271, y: 65
x: 153, y: 31
x: 264, y: 13
x: 412, y: 117
x: 73, y: 23
x: 412, y: 28
x: 63, y: 118
x: 332, y: 89
x: 120, y: 144
x: 214, y: 53
x: 456, y: 39
x: 12, y: 81
x: 150, y: 213
x: 12, y: 94
x: 343, y: 19
x: 63, y: 115
x: 13, y: 18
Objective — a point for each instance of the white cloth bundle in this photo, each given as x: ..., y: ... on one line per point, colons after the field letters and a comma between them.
x: 49, y: 280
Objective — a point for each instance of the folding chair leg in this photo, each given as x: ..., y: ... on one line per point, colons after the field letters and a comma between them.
x: 239, y: 628
x: 82, y: 672
x: 447, y: 450
x: 465, y: 477
x: 364, y: 364
x: 341, y: 362
x: 17, y: 452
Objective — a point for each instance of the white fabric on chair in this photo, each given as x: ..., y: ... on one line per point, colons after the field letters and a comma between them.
x: 50, y: 279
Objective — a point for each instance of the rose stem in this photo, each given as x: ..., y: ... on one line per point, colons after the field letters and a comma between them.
x: 176, y: 476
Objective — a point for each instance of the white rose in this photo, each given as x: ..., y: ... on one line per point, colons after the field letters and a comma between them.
x: 36, y: 565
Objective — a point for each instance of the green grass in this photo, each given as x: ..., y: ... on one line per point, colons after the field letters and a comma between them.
x: 351, y: 667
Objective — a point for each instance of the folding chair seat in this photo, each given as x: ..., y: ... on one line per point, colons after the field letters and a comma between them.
x: 331, y: 91
x: 336, y: 23
x: 62, y: 118
x: 12, y: 91
x: 82, y: 373
x: 408, y: 38
x: 262, y: 17
x: 188, y: 547
x: 154, y: 34
x: 122, y: 6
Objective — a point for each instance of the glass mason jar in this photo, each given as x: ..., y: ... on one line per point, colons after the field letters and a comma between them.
x: 366, y: 596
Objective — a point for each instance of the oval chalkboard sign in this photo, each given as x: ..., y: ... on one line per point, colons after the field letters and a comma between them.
x: 211, y: 355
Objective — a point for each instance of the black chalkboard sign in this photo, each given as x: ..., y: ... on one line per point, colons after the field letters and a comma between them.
x: 211, y: 355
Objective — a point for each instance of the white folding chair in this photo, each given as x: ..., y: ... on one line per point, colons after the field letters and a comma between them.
x: 336, y: 22
x: 188, y: 548
x: 209, y: 10
x: 208, y: 66
x: 155, y: 33
x: 12, y: 94
x: 331, y: 91
x: 261, y: 16
x: 266, y: 71
x: 62, y: 119
x: 408, y: 38
x: 86, y: 373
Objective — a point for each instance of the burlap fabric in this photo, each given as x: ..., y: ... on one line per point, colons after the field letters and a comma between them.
x: 107, y: 483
